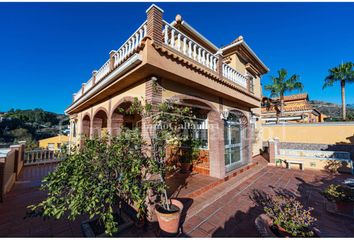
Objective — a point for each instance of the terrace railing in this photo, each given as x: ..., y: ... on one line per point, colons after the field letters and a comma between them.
x: 42, y: 156
x: 185, y: 45
x: 115, y: 60
x: 173, y: 38
x: 233, y: 75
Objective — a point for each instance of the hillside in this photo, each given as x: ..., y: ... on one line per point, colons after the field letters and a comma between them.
x: 30, y: 125
x: 333, y: 110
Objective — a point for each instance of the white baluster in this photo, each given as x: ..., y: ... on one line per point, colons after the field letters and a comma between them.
x: 203, y: 57
x: 166, y: 34
x: 207, y: 59
x: 190, y: 49
x: 179, y: 42
x: 145, y: 31
x: 184, y: 45
x: 136, y: 39
x: 195, y: 52
x: 173, y: 38
x: 130, y: 46
x: 199, y: 54
x: 140, y: 35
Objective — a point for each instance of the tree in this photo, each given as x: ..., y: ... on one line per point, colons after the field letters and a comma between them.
x: 95, y: 177
x: 344, y: 73
x: 280, y: 85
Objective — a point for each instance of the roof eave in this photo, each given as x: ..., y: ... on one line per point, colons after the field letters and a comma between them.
x: 243, y: 42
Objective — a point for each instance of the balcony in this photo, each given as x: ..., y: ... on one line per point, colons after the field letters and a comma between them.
x: 117, y: 58
x: 179, y: 42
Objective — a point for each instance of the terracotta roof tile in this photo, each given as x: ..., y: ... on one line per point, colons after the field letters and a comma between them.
x: 290, y: 107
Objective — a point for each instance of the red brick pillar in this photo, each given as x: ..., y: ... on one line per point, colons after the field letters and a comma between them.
x: 116, y: 124
x: 219, y: 64
x: 155, y: 23
x: 216, y: 145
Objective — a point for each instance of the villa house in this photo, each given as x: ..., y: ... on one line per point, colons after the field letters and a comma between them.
x: 297, y: 109
x: 172, y: 60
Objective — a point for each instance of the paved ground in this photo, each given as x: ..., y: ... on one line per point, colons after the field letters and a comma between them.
x: 234, y: 213
x: 228, y: 214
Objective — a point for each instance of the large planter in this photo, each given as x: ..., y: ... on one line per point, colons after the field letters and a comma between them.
x: 169, y: 221
x: 345, y: 207
x: 93, y: 228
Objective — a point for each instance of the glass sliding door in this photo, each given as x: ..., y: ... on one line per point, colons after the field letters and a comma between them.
x: 233, y: 145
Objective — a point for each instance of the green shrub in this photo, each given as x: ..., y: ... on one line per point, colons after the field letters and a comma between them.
x: 290, y: 214
x: 336, y: 192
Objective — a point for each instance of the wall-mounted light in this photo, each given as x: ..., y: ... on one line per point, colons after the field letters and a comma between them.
x: 225, y: 114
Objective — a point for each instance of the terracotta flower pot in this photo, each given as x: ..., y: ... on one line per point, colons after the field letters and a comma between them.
x: 169, y: 220
x: 345, y: 207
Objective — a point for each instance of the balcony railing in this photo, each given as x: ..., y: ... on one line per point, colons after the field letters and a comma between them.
x: 172, y: 38
x: 233, y: 75
x: 180, y: 42
x: 42, y: 156
x: 118, y: 58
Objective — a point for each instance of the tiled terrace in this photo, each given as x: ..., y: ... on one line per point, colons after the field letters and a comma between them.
x: 225, y: 210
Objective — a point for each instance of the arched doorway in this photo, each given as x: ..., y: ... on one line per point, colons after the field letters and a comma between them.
x: 86, y: 126
x: 99, y: 124
x: 235, y: 140
x: 122, y: 116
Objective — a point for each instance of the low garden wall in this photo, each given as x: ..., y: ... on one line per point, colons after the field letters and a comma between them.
x: 11, y: 163
x: 327, y: 133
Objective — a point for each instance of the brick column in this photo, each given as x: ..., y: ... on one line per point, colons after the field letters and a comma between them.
x: 155, y: 23
x: 153, y: 96
x: 216, y: 145
x: 219, y: 64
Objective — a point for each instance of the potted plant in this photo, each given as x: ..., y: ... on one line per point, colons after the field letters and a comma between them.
x: 286, y: 217
x: 167, y: 124
x: 342, y: 196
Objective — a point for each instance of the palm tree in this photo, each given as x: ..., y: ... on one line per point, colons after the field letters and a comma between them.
x: 343, y: 73
x: 280, y: 85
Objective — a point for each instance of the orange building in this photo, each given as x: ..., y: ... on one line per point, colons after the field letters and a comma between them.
x: 296, y: 109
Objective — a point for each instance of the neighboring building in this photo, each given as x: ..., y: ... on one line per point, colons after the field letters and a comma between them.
x: 54, y: 143
x: 163, y: 61
x: 297, y: 109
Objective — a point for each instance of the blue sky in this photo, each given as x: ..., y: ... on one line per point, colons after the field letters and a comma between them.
x: 49, y: 49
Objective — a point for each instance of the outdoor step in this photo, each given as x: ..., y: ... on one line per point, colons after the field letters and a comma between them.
x: 207, y: 198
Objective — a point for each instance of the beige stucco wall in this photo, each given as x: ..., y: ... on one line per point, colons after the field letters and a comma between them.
x: 321, y: 133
